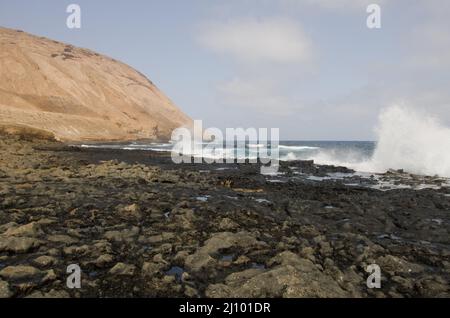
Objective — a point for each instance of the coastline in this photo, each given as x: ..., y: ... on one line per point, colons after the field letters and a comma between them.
x: 140, y: 226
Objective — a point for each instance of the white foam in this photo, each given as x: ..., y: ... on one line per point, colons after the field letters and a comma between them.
x: 297, y: 148
x: 202, y: 198
x: 407, y: 139
x: 256, y: 145
x: 262, y: 201
x: 334, y: 156
x: 413, y: 141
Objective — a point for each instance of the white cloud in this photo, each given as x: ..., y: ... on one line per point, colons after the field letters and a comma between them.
x: 341, y: 5
x: 410, y: 65
x: 430, y: 46
x: 258, y: 40
x: 259, y: 95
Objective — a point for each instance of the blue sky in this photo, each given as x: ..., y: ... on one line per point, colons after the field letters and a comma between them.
x: 310, y: 67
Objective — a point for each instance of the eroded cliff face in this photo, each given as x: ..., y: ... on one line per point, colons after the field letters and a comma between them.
x: 78, y: 94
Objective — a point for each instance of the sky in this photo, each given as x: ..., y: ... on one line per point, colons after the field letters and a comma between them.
x: 311, y: 68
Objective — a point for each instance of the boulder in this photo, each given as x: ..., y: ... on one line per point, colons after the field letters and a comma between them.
x: 203, y: 257
x: 291, y: 276
x: 18, y: 244
x: 32, y: 229
x: 123, y: 269
x: 5, y: 292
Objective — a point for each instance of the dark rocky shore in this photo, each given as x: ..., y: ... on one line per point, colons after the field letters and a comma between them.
x: 140, y: 226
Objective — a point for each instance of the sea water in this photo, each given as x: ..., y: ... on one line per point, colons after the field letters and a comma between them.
x: 407, y: 139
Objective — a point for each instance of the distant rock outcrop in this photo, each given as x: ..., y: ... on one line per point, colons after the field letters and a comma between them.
x: 77, y: 94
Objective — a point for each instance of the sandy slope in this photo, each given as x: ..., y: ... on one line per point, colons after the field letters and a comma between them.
x: 78, y: 94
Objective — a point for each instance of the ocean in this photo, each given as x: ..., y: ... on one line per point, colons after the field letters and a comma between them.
x: 361, y: 156
x: 409, y: 140
x: 338, y: 153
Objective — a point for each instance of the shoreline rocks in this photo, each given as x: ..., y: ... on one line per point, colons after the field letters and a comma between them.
x: 134, y: 223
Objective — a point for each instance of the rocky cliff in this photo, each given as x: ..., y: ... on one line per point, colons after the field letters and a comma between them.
x: 77, y: 94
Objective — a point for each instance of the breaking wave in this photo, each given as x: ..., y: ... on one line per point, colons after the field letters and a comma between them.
x: 413, y: 141
x: 407, y: 139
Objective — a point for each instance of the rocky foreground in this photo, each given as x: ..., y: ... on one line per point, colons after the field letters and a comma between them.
x: 140, y: 226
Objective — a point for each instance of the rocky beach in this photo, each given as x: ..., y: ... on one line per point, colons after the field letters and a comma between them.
x: 139, y: 225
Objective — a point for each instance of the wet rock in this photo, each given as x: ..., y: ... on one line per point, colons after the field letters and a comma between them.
x: 54, y: 252
x: 62, y: 239
x: 131, y: 211
x: 104, y: 260
x: 433, y: 286
x: 127, y: 235
x: 308, y: 252
x: 244, y: 275
x: 20, y: 272
x: 332, y: 231
x: 185, y: 276
x: 32, y: 229
x: 123, y: 269
x: 180, y: 257
x: 227, y: 224
x: 150, y: 269
x: 76, y: 250
x: 163, y: 237
x: 219, y: 291
x: 169, y: 279
x: 45, y: 261
x: 395, y: 265
x: 50, y: 276
x: 325, y: 249
x: 5, y: 292
x: 164, y: 248
x: 293, y: 277
x: 309, y: 231
x: 18, y: 244
x: 241, y: 260
x: 191, y: 292
x: 51, y: 294
x: 7, y: 226
x: 203, y: 256
x: 102, y: 246
x: 405, y: 286
x: 46, y: 221
x: 158, y: 258
x: 351, y: 281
